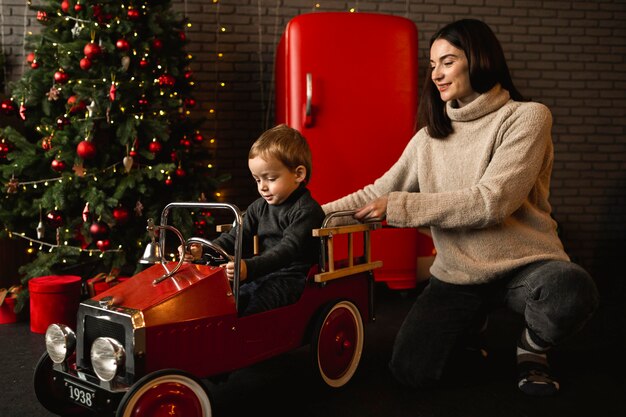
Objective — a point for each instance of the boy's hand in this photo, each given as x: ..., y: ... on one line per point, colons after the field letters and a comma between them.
x: 230, y: 270
x: 194, y: 253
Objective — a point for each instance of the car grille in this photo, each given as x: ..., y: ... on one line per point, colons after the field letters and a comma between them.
x: 97, y: 327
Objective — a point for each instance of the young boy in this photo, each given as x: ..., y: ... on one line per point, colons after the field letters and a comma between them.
x: 283, y: 218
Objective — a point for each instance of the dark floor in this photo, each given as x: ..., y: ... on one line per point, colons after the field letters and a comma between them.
x: 591, y: 373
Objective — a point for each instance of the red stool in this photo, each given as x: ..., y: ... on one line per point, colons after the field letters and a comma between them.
x: 53, y: 299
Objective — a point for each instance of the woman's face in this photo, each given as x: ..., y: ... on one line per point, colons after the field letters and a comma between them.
x: 450, y: 73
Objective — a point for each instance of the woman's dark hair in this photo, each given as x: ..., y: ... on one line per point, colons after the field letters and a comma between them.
x: 487, y: 67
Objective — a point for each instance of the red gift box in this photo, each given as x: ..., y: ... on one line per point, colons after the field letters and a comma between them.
x: 103, y: 282
x: 8, y: 298
x: 53, y: 299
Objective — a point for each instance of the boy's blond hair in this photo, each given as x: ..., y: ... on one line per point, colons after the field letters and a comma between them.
x: 286, y: 145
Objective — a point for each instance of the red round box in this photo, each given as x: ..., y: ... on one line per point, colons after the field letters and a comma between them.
x: 7, y: 315
x: 53, y: 299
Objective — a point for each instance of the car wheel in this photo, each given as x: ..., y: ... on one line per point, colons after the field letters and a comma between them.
x: 168, y: 393
x: 337, y: 343
x: 50, y: 395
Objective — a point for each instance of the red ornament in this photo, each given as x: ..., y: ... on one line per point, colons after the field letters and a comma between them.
x: 103, y: 244
x: 78, y: 7
x: 85, y: 63
x: 133, y: 14
x: 185, y: 142
x: 157, y: 44
x: 4, y: 149
x: 61, y: 77
x: 86, y: 149
x: 57, y: 165
x: 65, y: 6
x: 155, y: 146
x: 22, y: 111
x: 198, y: 137
x: 42, y: 16
x: 112, y: 91
x: 121, y: 214
x: 76, y: 105
x: 34, y: 65
x: 167, y: 80
x: 7, y: 106
x: 169, y: 181
x: 143, y: 102
x: 54, y: 218
x: 62, y: 122
x: 92, y: 50
x: 46, y: 143
x: 99, y: 230
x: 188, y: 75
x: 190, y: 102
x: 30, y: 58
x: 122, y: 45
x: 180, y: 172
x: 182, y: 36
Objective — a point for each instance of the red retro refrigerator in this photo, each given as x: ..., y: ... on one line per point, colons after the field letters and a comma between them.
x: 348, y: 82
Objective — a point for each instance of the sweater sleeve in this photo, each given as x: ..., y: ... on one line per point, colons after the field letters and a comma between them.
x: 518, y: 161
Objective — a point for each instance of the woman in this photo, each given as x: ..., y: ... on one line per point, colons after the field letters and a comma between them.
x: 478, y: 174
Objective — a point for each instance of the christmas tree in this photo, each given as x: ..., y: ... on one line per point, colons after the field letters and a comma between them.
x: 106, y: 136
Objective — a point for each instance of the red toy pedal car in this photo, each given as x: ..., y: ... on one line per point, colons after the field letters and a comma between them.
x: 144, y: 347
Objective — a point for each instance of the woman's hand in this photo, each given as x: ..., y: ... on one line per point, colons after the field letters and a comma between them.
x: 230, y: 270
x: 374, y: 210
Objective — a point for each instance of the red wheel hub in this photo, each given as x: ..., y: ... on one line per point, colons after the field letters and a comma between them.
x: 166, y: 400
x: 337, y: 341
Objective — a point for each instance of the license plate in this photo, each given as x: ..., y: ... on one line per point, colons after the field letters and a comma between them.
x: 80, y: 394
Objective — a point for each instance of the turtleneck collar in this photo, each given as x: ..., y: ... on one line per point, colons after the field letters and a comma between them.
x: 484, y: 104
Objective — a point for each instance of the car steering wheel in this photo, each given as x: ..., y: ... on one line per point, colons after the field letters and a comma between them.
x: 215, y: 254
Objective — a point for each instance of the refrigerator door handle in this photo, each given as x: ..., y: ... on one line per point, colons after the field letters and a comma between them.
x: 308, y: 107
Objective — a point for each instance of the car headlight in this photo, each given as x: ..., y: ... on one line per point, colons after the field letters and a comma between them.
x: 107, y: 357
x: 60, y: 342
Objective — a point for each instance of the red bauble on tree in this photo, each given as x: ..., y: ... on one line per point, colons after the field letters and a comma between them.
x: 122, y: 45
x: 62, y: 121
x: 121, y: 214
x: 103, y: 244
x: 65, y: 6
x: 198, y: 137
x: 54, y: 218
x: 155, y: 146
x: 143, y: 63
x: 76, y: 105
x: 86, y: 149
x: 61, y: 77
x: 180, y: 172
x: 85, y: 63
x: 92, y: 50
x: 157, y: 44
x: 99, y: 230
x: 78, y: 7
x: 7, y: 106
x: 133, y: 14
x: 57, y: 165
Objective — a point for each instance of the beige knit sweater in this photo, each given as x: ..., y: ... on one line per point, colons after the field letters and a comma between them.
x: 483, y: 190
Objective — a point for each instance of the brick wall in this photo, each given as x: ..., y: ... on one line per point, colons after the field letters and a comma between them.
x: 568, y: 55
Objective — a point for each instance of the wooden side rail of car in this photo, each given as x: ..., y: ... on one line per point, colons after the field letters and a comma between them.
x: 327, y: 233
